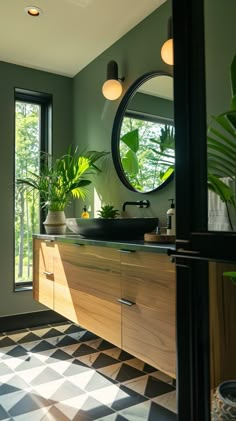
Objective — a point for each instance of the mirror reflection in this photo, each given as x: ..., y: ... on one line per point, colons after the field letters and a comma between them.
x: 145, y: 137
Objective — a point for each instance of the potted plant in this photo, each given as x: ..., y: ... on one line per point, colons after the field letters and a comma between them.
x: 221, y: 148
x: 225, y: 402
x: 108, y: 212
x: 59, y: 181
x: 221, y: 151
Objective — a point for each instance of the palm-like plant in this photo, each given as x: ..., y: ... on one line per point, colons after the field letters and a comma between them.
x: 221, y: 145
x: 62, y: 179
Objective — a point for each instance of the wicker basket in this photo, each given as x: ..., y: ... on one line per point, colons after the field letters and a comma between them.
x: 223, y: 408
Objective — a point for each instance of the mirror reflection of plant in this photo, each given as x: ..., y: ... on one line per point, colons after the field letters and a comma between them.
x: 221, y: 151
x: 165, y: 151
x: 129, y: 157
x: 147, y: 152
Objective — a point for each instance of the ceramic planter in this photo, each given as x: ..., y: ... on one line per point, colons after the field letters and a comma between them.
x: 55, y: 223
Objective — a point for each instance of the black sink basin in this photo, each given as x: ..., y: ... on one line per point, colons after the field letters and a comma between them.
x: 112, y: 229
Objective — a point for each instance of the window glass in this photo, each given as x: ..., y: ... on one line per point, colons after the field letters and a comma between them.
x: 31, y: 128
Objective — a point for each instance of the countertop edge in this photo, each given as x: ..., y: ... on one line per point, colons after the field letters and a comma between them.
x: 135, y: 245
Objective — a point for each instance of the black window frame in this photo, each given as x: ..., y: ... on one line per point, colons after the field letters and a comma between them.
x: 45, y: 145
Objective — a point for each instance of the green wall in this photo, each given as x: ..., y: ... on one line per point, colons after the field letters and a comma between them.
x: 136, y: 53
x: 220, y: 33
x: 12, y: 76
x: 150, y: 104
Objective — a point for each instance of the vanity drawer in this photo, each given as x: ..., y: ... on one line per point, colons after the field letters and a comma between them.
x: 149, y: 279
x: 43, y: 274
x: 147, y: 337
x: 101, y: 316
x: 65, y: 302
x: 93, y: 270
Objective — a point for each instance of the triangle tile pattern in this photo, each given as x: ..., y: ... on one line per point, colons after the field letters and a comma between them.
x: 63, y: 372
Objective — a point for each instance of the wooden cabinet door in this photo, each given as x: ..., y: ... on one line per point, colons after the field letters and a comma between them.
x: 87, y: 286
x: 43, y: 274
x: 148, y: 326
x: 222, y: 323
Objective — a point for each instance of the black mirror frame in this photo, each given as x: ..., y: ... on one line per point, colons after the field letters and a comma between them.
x: 115, y: 138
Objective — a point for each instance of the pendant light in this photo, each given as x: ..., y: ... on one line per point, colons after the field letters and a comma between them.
x: 167, y: 50
x: 112, y: 88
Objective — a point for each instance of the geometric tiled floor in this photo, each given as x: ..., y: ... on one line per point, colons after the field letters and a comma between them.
x: 61, y: 372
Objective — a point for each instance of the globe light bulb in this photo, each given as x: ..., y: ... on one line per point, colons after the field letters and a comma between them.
x: 167, y: 52
x: 112, y: 89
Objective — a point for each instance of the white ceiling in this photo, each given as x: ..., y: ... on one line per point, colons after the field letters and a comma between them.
x: 69, y: 34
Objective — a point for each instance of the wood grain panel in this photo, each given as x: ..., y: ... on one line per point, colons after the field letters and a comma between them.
x: 66, y: 302
x: 148, y: 266
x: 149, y: 279
x: 149, y: 338
x: 101, y: 316
x: 93, y: 270
x: 87, y: 285
x: 222, y: 323
x: 43, y: 283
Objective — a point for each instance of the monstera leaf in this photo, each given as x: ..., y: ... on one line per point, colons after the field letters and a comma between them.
x: 131, y: 139
x: 130, y: 163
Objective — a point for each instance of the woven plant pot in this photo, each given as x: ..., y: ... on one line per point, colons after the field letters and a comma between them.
x: 225, y: 402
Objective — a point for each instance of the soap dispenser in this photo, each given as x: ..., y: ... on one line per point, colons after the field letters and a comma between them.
x: 85, y: 213
x: 171, y: 219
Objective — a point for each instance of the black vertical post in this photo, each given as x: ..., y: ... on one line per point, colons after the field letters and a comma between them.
x: 193, y: 385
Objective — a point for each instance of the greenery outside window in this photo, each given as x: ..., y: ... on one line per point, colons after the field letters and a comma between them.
x: 147, y: 150
x: 32, y: 137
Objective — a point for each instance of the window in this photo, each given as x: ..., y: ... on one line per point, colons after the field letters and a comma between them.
x: 32, y: 121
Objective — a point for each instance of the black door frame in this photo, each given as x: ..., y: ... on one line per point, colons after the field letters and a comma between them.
x: 193, y: 385
x: 195, y: 246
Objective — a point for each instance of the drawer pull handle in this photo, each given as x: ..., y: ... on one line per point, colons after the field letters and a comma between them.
x: 78, y: 245
x: 126, y: 251
x: 49, y: 241
x: 47, y: 273
x: 126, y: 302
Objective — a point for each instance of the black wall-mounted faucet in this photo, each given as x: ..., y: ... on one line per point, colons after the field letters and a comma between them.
x: 138, y: 203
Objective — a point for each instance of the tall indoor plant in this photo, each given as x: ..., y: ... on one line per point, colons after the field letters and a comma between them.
x: 221, y: 148
x: 59, y: 181
x: 221, y: 143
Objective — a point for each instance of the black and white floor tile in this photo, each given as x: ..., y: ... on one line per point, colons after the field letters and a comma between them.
x: 61, y: 372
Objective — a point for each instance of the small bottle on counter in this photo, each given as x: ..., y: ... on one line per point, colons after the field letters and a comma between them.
x: 170, y: 225
x: 85, y: 213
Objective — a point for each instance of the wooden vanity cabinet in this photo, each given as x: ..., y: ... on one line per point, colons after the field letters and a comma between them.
x: 87, y: 284
x: 43, y: 272
x: 148, y: 323
x: 127, y: 298
x: 87, y: 287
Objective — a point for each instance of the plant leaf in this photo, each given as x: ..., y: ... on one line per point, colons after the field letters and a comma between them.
x: 167, y: 173
x: 131, y: 139
x: 233, y: 76
x: 221, y: 189
x: 130, y: 163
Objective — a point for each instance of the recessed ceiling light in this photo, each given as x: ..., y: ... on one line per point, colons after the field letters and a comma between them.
x: 33, y: 11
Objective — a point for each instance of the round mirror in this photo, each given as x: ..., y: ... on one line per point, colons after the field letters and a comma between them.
x: 143, y: 134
